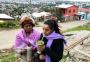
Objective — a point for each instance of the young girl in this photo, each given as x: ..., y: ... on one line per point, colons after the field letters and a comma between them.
x: 26, y: 37
x: 54, y: 42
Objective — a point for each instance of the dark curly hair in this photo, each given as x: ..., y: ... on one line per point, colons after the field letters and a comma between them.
x: 53, y: 25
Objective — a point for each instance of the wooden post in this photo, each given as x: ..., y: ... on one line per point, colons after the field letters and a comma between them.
x: 29, y: 54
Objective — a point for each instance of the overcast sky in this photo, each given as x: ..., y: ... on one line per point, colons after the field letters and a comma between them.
x: 80, y: 0
x: 50, y: 0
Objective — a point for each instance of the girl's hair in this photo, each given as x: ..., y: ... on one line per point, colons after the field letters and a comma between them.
x: 53, y: 25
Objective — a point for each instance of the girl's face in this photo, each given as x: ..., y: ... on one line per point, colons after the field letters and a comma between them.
x: 28, y: 28
x: 46, y: 29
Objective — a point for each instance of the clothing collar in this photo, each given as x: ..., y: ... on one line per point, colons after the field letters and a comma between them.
x: 54, y: 35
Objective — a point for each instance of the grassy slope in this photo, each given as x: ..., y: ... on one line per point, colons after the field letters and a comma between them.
x: 84, y: 27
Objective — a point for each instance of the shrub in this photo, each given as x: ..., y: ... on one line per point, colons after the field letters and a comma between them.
x: 8, y: 24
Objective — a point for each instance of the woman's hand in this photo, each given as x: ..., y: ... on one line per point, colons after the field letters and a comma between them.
x: 23, y: 51
x: 42, y: 57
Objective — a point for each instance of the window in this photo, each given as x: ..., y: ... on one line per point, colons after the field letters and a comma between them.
x: 69, y: 11
x: 74, y: 11
x: 83, y: 17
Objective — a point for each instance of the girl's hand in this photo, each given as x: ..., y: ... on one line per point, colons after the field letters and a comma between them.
x: 42, y: 57
x: 41, y: 48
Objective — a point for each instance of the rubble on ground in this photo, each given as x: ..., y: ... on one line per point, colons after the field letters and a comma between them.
x: 81, y: 51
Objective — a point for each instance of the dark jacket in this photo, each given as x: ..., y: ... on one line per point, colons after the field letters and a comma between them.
x: 56, y: 50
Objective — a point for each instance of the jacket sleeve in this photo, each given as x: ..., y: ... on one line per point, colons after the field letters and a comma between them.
x: 56, y: 50
x: 18, y: 44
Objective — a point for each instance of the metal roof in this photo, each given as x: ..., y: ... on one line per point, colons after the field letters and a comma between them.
x: 4, y: 16
x: 64, y: 6
x: 40, y: 14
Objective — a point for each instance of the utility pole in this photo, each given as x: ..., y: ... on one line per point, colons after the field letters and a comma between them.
x: 29, y: 6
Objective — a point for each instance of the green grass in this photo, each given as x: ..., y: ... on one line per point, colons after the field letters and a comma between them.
x: 79, y: 28
x: 7, y: 57
x: 10, y: 57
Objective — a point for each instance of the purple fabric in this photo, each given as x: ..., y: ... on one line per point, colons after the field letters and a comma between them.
x: 22, y: 41
x: 50, y: 38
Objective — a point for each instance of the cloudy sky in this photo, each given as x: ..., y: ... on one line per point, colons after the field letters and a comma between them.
x: 50, y: 0
x: 80, y: 0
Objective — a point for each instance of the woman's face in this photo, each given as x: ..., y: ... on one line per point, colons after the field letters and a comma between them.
x: 28, y: 28
x: 46, y: 29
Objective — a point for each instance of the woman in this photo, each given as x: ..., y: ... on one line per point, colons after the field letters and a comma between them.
x: 54, y: 42
x: 26, y: 37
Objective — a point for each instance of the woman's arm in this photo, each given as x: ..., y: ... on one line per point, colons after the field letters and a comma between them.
x: 19, y: 44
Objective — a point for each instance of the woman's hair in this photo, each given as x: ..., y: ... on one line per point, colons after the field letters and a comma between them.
x: 53, y: 25
x: 26, y: 20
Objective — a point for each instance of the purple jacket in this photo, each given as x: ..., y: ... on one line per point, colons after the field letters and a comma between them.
x: 22, y: 41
